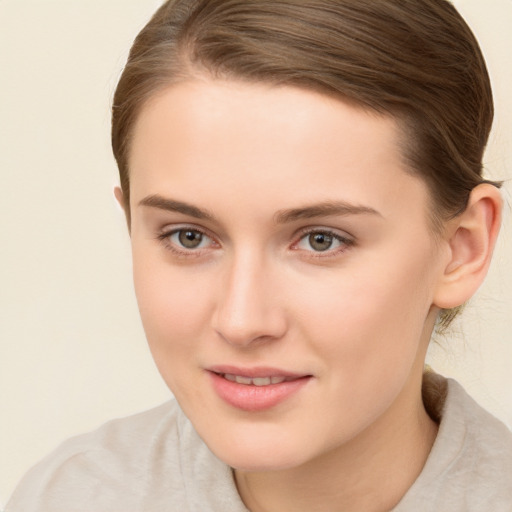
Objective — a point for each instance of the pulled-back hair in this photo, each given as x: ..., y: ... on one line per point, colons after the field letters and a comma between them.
x: 414, y: 60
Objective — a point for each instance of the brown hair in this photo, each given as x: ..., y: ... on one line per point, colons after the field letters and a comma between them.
x: 415, y: 60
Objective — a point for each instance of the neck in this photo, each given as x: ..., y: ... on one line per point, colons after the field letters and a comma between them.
x: 371, y: 472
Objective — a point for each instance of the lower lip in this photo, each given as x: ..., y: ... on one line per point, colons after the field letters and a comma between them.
x: 255, y: 398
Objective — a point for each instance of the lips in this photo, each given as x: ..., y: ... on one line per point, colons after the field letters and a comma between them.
x: 255, y: 389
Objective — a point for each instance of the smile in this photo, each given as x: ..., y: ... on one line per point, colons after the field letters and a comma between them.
x: 261, y: 391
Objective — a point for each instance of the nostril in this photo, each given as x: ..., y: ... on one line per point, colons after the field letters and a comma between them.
x: 247, y: 338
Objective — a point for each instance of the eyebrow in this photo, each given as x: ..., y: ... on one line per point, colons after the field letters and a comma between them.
x: 171, y: 205
x: 325, y: 209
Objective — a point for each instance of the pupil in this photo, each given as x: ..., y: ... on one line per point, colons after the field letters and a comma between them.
x: 190, y: 239
x: 320, y: 241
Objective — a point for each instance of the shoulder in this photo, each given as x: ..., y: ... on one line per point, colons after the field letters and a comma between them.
x: 485, y: 459
x: 110, y: 463
x: 470, y: 466
x: 151, y: 461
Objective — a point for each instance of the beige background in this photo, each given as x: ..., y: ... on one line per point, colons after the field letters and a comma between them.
x: 72, y: 351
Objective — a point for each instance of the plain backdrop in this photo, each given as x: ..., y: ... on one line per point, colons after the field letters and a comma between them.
x: 73, y: 353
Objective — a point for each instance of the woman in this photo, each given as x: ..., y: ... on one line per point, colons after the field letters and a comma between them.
x: 303, y: 187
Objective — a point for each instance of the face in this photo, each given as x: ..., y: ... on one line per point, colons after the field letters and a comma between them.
x: 283, y: 265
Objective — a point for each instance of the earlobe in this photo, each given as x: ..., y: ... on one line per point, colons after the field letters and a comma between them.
x: 471, y: 243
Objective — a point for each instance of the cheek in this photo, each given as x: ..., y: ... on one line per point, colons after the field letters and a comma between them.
x: 371, y: 300
x: 174, y: 309
x: 373, y: 315
x: 367, y: 329
x: 173, y: 304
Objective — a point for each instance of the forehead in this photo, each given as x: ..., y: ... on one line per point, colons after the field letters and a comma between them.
x: 256, y: 142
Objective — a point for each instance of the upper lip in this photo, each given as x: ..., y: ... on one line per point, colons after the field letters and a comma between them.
x: 255, y: 371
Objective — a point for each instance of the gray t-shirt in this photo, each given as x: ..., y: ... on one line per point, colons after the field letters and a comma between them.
x: 156, y: 462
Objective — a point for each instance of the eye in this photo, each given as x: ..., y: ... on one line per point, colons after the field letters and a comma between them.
x: 185, y: 241
x: 320, y: 241
x: 188, y: 238
x: 323, y: 241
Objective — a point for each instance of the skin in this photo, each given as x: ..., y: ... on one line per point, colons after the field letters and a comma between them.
x: 356, y: 317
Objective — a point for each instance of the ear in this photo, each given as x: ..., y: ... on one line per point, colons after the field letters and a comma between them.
x: 471, y: 238
x: 118, y: 193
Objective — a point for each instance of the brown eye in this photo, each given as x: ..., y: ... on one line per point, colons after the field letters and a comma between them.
x: 320, y: 241
x: 323, y: 241
x: 189, y: 238
x: 187, y: 242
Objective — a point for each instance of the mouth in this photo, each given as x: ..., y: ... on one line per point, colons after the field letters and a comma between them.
x: 256, y: 389
x: 256, y: 381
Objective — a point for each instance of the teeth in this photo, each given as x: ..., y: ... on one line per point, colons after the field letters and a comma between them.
x: 243, y: 380
x: 261, y: 381
x: 257, y: 381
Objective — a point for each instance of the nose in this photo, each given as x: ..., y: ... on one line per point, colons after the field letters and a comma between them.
x: 249, y: 309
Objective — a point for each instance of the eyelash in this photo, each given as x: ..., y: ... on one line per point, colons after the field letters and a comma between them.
x: 345, y: 242
x: 165, y: 239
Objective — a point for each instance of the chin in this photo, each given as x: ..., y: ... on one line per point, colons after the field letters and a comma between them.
x: 260, y: 462
x: 269, y: 451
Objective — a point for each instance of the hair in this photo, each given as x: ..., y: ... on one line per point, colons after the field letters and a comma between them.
x: 414, y: 60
